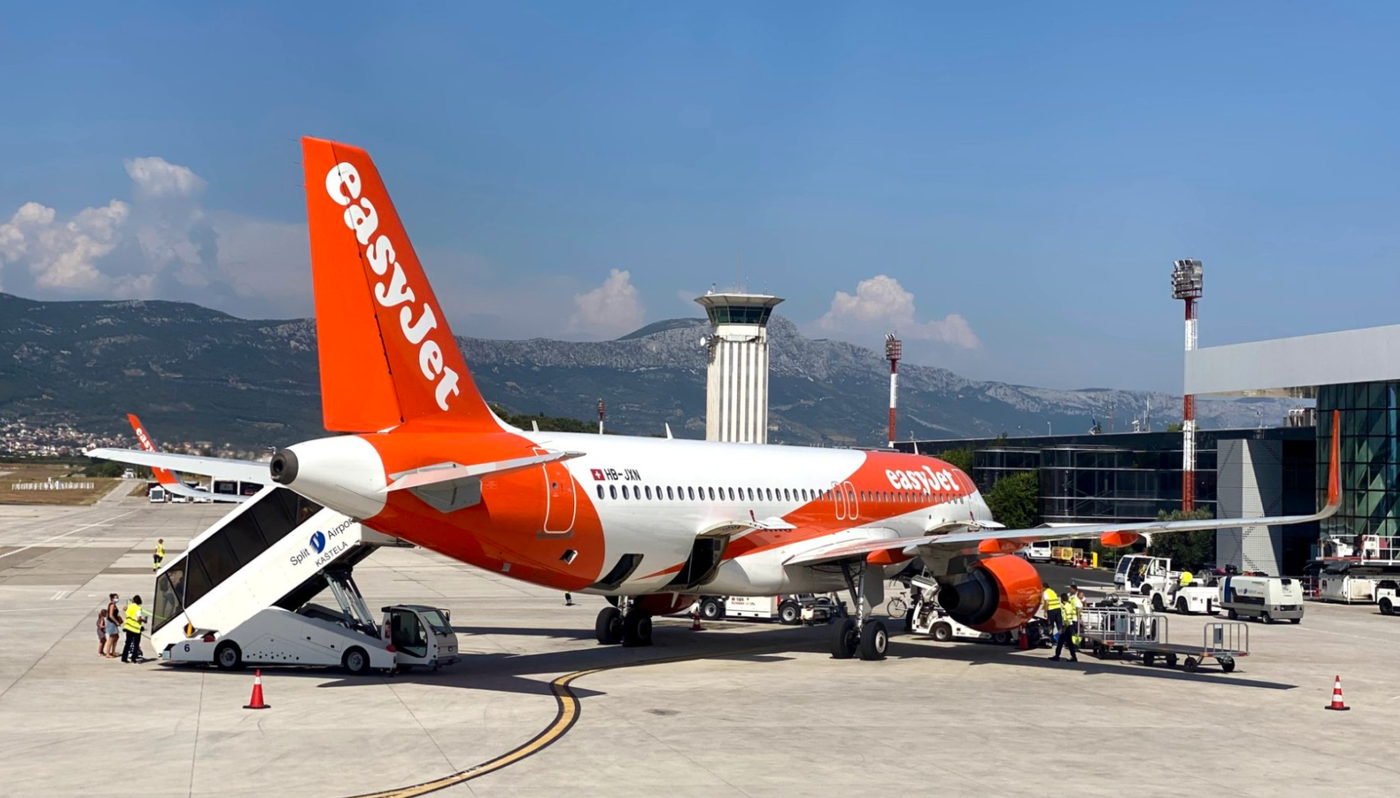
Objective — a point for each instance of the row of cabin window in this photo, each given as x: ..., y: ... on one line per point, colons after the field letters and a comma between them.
x: 639, y: 492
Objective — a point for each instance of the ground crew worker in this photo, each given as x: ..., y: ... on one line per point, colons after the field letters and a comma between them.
x: 1070, y: 609
x: 1052, y: 609
x: 159, y: 555
x: 1186, y: 578
x: 132, y: 626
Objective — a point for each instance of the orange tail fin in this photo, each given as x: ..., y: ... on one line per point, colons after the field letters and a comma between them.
x: 387, y: 353
x: 147, y: 445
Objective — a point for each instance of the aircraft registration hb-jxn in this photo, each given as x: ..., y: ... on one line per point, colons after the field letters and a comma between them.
x: 650, y: 522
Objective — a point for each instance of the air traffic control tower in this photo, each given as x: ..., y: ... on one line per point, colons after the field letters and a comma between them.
x: 736, y: 396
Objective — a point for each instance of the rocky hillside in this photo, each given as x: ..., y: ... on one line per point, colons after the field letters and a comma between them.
x: 197, y: 374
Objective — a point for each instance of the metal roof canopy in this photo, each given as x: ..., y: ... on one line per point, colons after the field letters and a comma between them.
x: 1295, y: 367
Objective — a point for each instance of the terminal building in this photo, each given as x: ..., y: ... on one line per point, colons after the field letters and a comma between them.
x: 1241, y: 472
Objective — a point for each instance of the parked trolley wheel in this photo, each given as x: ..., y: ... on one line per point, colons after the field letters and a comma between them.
x: 1171, y: 660
x: 1191, y: 664
x: 1148, y: 658
x: 1227, y: 664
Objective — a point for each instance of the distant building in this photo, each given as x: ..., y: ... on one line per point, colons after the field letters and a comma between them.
x: 736, y: 391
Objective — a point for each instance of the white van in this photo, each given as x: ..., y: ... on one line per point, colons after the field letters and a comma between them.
x: 1268, y: 598
x: 1035, y: 551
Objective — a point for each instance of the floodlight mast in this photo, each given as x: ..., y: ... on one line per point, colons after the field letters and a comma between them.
x: 893, y: 350
x: 1187, y: 285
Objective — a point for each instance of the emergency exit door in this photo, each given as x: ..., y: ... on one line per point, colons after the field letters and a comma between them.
x: 560, y: 501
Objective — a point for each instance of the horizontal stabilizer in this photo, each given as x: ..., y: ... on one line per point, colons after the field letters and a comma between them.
x: 215, y: 467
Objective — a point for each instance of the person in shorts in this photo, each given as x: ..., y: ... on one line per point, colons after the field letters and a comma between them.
x: 113, y: 628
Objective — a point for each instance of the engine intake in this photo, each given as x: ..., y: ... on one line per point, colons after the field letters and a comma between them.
x: 997, y: 594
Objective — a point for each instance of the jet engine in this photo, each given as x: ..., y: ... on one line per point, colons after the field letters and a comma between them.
x: 663, y: 603
x: 997, y: 594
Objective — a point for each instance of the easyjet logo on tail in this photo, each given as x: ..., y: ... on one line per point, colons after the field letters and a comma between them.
x: 416, y: 320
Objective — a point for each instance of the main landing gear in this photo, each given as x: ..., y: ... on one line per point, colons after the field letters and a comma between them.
x: 859, y: 635
x: 626, y: 624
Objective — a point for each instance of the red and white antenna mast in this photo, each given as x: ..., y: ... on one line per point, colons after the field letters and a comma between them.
x: 893, y: 350
x: 1186, y: 286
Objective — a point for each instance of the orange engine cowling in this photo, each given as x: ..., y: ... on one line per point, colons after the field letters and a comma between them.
x: 997, y: 594
x: 663, y: 603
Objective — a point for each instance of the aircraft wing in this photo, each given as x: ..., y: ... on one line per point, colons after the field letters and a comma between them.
x: 991, y: 540
x: 215, y: 467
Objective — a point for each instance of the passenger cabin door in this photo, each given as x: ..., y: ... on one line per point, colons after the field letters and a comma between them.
x: 560, y: 502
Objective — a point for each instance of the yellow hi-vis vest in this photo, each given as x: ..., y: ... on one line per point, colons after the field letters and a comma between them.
x: 1071, y: 609
x: 133, y: 618
x: 1052, y: 601
x: 160, y: 550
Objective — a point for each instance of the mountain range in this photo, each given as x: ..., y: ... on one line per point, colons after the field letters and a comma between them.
x: 196, y: 374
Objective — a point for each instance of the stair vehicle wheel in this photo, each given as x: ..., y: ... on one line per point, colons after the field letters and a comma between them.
x: 845, y: 639
x: 711, y: 608
x: 608, y: 627
x: 942, y: 632
x: 1191, y: 664
x: 874, y: 640
x: 355, y: 661
x: 636, y: 629
x: 1171, y: 660
x: 227, y: 656
x: 789, y: 613
x: 1181, y: 607
x: 1227, y: 664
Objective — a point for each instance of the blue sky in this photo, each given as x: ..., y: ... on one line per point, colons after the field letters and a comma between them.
x: 1010, y: 182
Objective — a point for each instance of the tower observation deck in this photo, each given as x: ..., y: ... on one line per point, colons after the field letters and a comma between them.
x: 736, y: 396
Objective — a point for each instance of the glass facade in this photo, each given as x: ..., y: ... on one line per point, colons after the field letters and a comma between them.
x: 739, y: 314
x: 1368, y: 450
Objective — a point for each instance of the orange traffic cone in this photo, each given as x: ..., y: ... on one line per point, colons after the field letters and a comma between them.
x: 1023, y: 643
x: 1337, y: 702
x: 695, y: 621
x: 256, y: 702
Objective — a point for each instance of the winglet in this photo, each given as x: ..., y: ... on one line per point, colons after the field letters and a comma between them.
x: 1334, y: 479
x: 147, y: 445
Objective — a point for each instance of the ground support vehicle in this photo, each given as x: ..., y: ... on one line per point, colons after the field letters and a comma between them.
x: 1144, y: 575
x: 1345, y: 588
x: 1266, y: 598
x: 930, y: 619
x: 1388, y: 596
x: 317, y: 636
x: 787, y: 609
x: 1110, y: 631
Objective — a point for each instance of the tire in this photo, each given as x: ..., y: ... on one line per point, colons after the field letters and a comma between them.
x: 608, y: 627
x: 942, y: 632
x: 1001, y: 638
x: 1232, y: 615
x: 789, y: 614
x: 1266, y: 618
x: 874, y: 641
x: 897, y: 607
x: 355, y: 662
x: 227, y: 656
x: 636, y: 629
x: 844, y: 639
x: 1387, y: 606
x: 1158, y: 603
x: 1227, y: 664
x: 1181, y: 606
x: 1146, y: 590
x: 1191, y: 664
x: 1148, y: 658
x: 1295, y: 620
x: 711, y: 608
x: 1171, y: 660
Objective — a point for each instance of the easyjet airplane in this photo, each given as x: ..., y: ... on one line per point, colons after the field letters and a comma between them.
x: 648, y: 522
x: 171, y: 481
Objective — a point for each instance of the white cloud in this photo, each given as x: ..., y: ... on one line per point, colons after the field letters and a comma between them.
x: 610, y: 310
x: 880, y: 305
x: 63, y: 255
x: 156, y: 177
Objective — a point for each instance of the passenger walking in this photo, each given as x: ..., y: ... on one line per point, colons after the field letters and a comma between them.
x: 113, y: 615
x: 1052, y: 610
x: 132, y: 626
x: 1070, y: 609
x: 159, y: 556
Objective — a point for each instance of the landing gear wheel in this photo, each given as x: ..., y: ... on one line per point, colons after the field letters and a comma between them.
x: 711, y: 608
x: 355, y: 661
x: 1191, y: 664
x: 874, y: 640
x: 789, y: 614
x: 608, y: 627
x: 1171, y: 660
x: 636, y: 629
x: 1227, y: 664
x: 941, y: 632
x: 846, y: 639
x: 227, y: 656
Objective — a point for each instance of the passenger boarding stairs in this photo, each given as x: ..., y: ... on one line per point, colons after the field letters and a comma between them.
x: 277, y: 549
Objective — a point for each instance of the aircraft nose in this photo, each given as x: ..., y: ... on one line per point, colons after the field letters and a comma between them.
x: 284, y: 467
